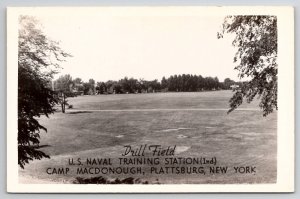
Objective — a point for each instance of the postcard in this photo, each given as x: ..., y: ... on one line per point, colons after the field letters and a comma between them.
x: 150, y: 99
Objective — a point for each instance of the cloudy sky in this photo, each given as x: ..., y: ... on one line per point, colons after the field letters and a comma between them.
x: 145, y: 46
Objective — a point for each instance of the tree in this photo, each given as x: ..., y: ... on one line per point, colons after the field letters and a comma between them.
x: 77, y: 81
x: 101, y: 88
x: 87, y: 88
x: 164, y: 83
x: 38, y: 59
x: 154, y: 86
x: 63, y: 86
x: 216, y: 83
x: 78, y: 86
x: 92, y: 89
x: 110, y: 86
x: 227, y: 83
x: 256, y: 56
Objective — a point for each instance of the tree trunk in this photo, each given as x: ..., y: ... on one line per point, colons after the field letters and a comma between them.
x: 63, y: 104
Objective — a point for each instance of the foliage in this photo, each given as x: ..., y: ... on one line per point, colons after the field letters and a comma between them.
x: 101, y: 88
x: 64, y: 83
x: 175, y: 83
x: 78, y: 85
x: 256, y: 56
x: 38, y: 58
x: 64, y: 88
x: 228, y: 83
x: 191, y: 83
x: 164, y: 83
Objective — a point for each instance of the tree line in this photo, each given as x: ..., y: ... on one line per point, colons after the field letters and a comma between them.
x: 175, y: 83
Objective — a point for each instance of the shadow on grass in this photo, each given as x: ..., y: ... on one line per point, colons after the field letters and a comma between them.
x: 40, y: 146
x: 43, y: 146
x: 78, y: 112
x: 103, y: 180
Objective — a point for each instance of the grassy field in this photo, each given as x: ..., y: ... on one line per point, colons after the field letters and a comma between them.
x: 197, y: 123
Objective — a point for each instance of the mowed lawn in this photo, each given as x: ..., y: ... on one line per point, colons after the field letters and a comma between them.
x: 197, y: 123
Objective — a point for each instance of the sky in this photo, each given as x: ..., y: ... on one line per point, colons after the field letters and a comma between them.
x: 141, y: 46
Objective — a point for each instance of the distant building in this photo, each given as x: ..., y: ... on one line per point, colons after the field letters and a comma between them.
x: 234, y: 86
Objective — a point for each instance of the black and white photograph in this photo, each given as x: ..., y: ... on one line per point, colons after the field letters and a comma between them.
x: 150, y: 96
